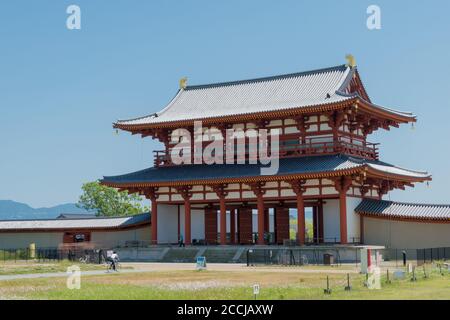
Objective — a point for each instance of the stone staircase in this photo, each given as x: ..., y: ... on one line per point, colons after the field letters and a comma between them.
x: 220, y: 255
x: 180, y: 255
x: 231, y: 254
x: 141, y: 254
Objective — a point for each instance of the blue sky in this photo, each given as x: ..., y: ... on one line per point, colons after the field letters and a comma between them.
x: 60, y: 89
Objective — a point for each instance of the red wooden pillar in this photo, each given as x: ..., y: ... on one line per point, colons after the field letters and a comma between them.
x: 233, y: 226
x: 343, y: 216
x: 221, y: 193
x: 260, y: 206
x: 300, y: 219
x: 154, y: 216
x: 299, y: 189
x: 223, y: 221
x: 179, y: 221
x: 342, y: 185
x: 266, y: 220
x: 187, y: 221
x: 151, y: 193
x: 282, y: 224
x: 315, y: 225
x: 320, y: 221
x: 211, y: 226
x: 245, y: 225
x: 258, y: 190
x: 186, y: 194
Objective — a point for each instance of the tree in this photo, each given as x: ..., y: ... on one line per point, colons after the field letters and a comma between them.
x: 107, y: 201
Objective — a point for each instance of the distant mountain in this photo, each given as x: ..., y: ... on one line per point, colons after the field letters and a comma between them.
x: 12, y: 210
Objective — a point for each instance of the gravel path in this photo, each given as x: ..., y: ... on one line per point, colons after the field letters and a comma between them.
x: 164, y: 267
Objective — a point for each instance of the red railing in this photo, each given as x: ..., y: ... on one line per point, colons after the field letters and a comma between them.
x: 293, y: 148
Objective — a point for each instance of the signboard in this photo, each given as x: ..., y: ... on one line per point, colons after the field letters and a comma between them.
x: 255, y: 290
x: 201, y: 263
x: 399, y: 274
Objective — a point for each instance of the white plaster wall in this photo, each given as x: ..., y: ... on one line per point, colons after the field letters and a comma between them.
x: 168, y: 223
x: 197, y: 223
x: 54, y: 239
x: 353, y: 225
x: 406, y: 235
x: 23, y: 240
x: 118, y: 238
x: 331, y: 221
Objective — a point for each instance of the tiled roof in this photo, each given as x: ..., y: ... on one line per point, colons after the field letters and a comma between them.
x: 81, y: 223
x: 75, y: 216
x: 414, y: 211
x: 297, y: 90
x: 287, y: 166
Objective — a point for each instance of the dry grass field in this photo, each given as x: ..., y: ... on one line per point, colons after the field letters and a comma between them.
x: 229, y: 282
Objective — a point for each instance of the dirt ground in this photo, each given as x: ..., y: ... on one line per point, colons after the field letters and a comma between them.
x: 227, y: 267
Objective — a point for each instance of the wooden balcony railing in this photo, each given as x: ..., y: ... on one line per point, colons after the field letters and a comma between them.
x: 292, y: 148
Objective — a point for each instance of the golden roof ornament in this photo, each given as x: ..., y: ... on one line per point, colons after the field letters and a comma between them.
x: 351, y: 61
x: 183, y: 82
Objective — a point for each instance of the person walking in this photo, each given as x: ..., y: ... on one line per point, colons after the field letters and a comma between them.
x: 181, y: 241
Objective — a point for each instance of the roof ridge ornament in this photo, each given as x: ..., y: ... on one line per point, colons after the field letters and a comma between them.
x: 183, y: 83
x: 351, y: 61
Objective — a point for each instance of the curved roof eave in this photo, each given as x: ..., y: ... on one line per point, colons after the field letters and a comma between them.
x: 250, y: 116
x: 415, y: 177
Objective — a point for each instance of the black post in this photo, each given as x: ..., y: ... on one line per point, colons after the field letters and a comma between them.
x: 327, y: 290
x: 388, y: 280
x: 404, y: 258
x: 348, y: 287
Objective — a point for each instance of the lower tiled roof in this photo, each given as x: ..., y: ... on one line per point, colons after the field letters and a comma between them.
x: 287, y: 166
x: 80, y: 223
x: 398, y: 210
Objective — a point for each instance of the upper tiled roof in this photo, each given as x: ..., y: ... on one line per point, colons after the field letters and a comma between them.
x: 287, y: 166
x: 81, y: 223
x: 297, y: 90
x: 413, y: 211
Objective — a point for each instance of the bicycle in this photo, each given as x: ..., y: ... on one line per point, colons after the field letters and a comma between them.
x: 85, y: 259
x: 109, y: 266
x: 304, y: 260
